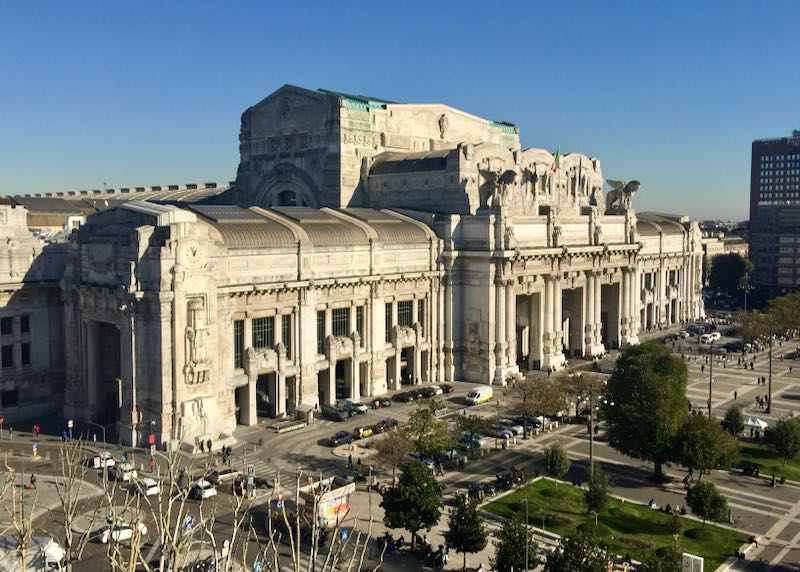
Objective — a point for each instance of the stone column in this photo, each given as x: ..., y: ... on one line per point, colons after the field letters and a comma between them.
x: 598, y: 319
x: 588, y: 317
x: 511, y: 324
x: 548, y: 334
x: 558, y: 318
x: 447, y: 328
x: 355, y: 377
x: 553, y: 356
x: 534, y: 330
x: 500, y: 322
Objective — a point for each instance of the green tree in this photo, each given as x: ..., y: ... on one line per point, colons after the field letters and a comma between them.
x: 393, y: 450
x: 578, y: 552
x: 415, y: 502
x: 430, y: 434
x: 705, y: 445
x: 729, y: 273
x: 707, y: 503
x: 509, y: 548
x: 466, y: 531
x: 734, y: 420
x: 596, y: 495
x: 784, y: 436
x: 556, y: 460
x: 663, y: 559
x: 537, y: 394
x: 648, y: 388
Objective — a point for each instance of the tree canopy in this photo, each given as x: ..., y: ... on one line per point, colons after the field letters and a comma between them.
x: 430, y: 434
x: 466, y: 531
x: 510, y: 547
x: 730, y: 273
x: 707, y: 502
x: 663, y: 559
x: 415, y: 502
x: 537, y: 394
x: 596, y: 495
x: 734, y: 420
x: 578, y: 552
x: 648, y: 388
x: 556, y: 460
x: 705, y: 445
x: 784, y: 436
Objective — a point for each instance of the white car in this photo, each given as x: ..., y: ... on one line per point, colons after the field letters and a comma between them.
x: 515, y: 428
x: 202, y: 489
x: 123, y: 472
x: 119, y: 532
x: 715, y: 336
x: 684, y: 334
x: 104, y: 459
x: 149, y: 487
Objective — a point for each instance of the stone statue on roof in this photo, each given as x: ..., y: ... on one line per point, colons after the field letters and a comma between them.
x: 619, y: 199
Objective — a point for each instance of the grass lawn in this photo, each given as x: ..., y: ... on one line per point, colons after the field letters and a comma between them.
x: 768, y: 460
x: 628, y: 528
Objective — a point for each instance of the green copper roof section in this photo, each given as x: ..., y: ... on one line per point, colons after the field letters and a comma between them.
x: 504, y: 127
x: 359, y: 102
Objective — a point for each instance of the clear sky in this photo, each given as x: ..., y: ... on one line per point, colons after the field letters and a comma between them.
x: 140, y: 93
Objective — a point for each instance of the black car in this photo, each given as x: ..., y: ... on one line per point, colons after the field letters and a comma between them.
x: 380, y: 402
x: 335, y: 413
x: 385, y: 425
x: 426, y: 392
x: 447, y: 388
x: 405, y: 397
x: 340, y: 438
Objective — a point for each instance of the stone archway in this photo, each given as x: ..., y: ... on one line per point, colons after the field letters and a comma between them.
x: 287, y: 186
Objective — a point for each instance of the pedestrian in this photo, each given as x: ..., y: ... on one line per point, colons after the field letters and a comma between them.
x: 63, y: 435
x: 735, y: 395
x: 350, y: 461
x: 33, y: 480
x: 358, y: 462
x: 208, y: 445
x: 11, y: 433
x: 702, y: 368
x: 202, y: 446
x: 152, y: 464
x: 94, y: 438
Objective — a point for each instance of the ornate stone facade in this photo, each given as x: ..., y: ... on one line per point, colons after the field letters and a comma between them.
x: 364, y: 244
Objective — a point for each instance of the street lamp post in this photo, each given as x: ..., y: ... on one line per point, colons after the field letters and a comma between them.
x: 527, y: 533
x: 710, y: 374
x: 591, y: 429
x: 769, y: 388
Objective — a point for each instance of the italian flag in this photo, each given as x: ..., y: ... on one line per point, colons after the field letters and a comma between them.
x: 556, y: 162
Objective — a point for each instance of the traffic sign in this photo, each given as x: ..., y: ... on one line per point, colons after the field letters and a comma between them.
x: 70, y: 424
x: 152, y: 450
x: 188, y: 521
x: 345, y: 534
x: 251, y: 470
x: 34, y: 448
x: 257, y: 566
x: 279, y: 504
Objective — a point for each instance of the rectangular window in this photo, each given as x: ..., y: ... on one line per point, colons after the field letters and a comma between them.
x: 388, y: 312
x: 5, y: 326
x: 25, y: 324
x: 286, y: 334
x: 341, y: 322
x: 263, y: 329
x: 238, y: 343
x: 421, y: 313
x: 7, y: 357
x: 26, y: 354
x: 321, y: 332
x: 9, y: 398
x: 404, y: 313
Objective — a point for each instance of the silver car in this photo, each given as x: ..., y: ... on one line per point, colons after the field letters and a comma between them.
x: 515, y: 428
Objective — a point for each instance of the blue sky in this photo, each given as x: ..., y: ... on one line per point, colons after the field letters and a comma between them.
x: 139, y: 93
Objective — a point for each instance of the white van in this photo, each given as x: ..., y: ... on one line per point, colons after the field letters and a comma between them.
x: 480, y: 394
x: 706, y: 339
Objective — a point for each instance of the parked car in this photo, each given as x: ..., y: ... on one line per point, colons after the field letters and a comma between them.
x: 340, y: 438
x: 119, y: 532
x: 515, y: 428
x: 385, y: 425
x: 405, y: 397
x: 429, y: 391
x: 380, y: 402
x: 500, y: 432
x: 446, y: 388
x: 706, y: 339
x: 335, y: 413
x: 427, y: 461
x: 123, y: 472
x: 474, y: 440
x: 716, y: 336
x: 223, y: 476
x: 362, y: 432
x: 684, y: 334
x: 533, y: 421
x: 356, y: 406
x: 103, y: 460
x: 202, y: 489
x: 149, y: 487
x: 440, y: 409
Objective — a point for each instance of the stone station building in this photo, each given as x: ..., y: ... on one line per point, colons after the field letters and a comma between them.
x: 364, y: 244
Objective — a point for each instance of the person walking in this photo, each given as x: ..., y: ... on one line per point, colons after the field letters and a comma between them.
x: 202, y: 446
x: 208, y: 445
x: 33, y: 481
x: 735, y: 395
x: 349, y: 461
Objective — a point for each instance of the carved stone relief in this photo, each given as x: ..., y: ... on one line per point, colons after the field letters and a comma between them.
x: 196, y: 369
